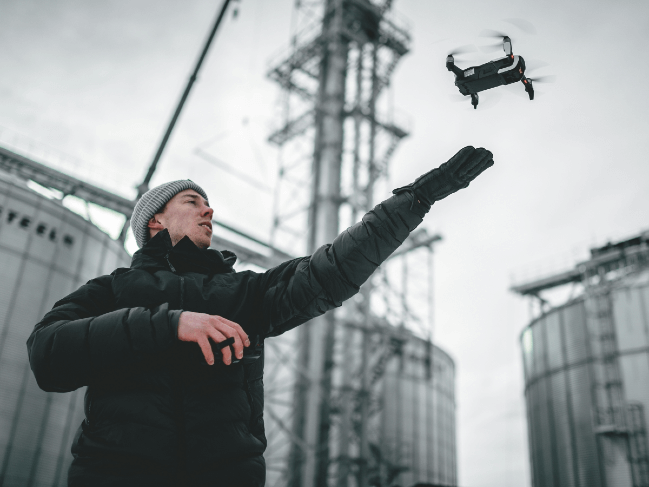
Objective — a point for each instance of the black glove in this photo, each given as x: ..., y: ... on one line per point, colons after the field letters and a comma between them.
x: 451, y: 176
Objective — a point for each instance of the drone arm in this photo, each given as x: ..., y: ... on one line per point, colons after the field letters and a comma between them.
x: 528, y: 87
x: 450, y: 65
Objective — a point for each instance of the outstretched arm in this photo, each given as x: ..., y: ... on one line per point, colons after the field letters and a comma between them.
x: 301, y: 289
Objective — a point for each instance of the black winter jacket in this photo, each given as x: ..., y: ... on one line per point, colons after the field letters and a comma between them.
x: 156, y: 414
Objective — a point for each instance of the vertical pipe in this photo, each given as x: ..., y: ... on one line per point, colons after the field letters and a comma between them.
x: 312, y: 422
x: 416, y: 389
x: 404, y: 284
x: 346, y: 396
x: 364, y: 396
x: 431, y: 311
x: 327, y: 222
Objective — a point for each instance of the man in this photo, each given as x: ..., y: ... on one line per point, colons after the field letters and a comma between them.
x: 164, y: 405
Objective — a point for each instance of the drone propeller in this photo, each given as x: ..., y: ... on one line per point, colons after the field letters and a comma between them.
x: 463, y: 50
x: 544, y: 79
x: 522, y: 24
x: 534, y: 64
x: 494, y: 34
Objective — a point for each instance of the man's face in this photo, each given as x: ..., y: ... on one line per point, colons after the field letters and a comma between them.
x: 188, y: 214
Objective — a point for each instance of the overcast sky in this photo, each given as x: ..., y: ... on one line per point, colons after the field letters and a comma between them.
x: 98, y: 81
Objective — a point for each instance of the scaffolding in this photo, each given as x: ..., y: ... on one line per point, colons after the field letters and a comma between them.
x: 336, y: 139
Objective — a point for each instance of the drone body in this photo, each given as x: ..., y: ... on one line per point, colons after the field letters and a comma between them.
x: 503, y: 71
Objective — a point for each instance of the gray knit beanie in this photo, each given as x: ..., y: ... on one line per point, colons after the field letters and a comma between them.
x: 153, y: 201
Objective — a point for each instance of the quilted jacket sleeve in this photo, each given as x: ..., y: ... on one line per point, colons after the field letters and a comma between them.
x: 83, y: 338
x: 301, y: 289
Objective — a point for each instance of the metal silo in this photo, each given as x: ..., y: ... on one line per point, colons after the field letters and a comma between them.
x: 417, y: 413
x: 587, y: 374
x: 412, y: 409
x: 46, y: 251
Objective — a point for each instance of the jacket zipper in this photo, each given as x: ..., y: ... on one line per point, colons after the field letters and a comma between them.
x: 177, y: 395
x: 89, y: 409
x: 182, y: 292
x: 172, y: 268
x: 182, y: 281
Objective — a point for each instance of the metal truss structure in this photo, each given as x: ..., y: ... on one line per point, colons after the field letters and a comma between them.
x: 27, y: 169
x: 336, y: 140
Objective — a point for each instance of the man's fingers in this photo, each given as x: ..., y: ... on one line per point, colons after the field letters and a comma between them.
x: 486, y: 161
x: 480, y: 160
x: 201, y: 328
x: 237, y: 327
x: 466, y: 150
x: 207, y: 350
x: 462, y: 156
x: 475, y: 172
x: 219, y: 337
x: 228, y: 329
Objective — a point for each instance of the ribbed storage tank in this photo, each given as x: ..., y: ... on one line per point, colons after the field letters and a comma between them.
x: 587, y: 388
x: 417, y: 418
x: 411, y: 424
x: 46, y: 252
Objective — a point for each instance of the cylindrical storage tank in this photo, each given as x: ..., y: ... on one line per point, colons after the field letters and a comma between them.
x: 587, y: 389
x: 417, y: 415
x: 46, y: 252
x: 411, y: 416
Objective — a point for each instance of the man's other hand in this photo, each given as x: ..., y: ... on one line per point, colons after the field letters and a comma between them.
x: 200, y: 327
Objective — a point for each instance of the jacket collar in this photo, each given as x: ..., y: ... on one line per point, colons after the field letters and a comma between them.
x: 158, y: 253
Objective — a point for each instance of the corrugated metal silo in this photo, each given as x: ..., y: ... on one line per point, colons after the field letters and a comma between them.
x: 417, y: 418
x: 587, y: 387
x: 46, y: 251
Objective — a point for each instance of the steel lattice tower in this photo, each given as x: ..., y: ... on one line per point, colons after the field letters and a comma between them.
x: 337, y: 138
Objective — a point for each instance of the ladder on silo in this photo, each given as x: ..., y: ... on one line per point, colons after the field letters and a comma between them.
x: 609, y: 411
x: 638, y: 450
x: 616, y: 417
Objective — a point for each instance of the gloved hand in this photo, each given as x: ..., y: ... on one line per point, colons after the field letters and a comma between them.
x: 453, y: 175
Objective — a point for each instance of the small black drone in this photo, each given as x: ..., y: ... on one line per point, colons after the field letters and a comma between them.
x: 503, y: 71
